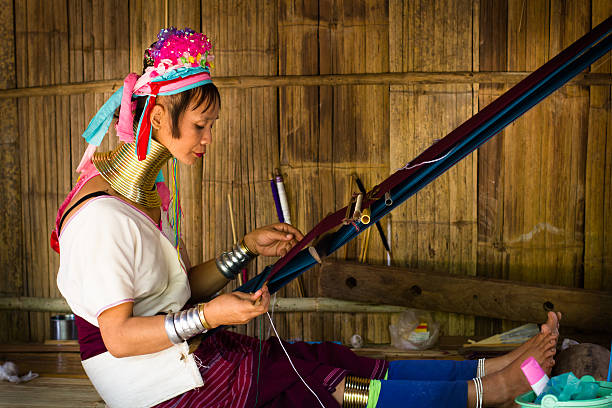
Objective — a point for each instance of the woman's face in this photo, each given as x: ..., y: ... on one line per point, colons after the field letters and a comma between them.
x: 195, y: 130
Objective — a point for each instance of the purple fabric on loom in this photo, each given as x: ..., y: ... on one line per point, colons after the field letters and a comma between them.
x: 279, y: 209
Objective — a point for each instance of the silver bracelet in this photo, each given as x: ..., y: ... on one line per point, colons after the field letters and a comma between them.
x: 479, y: 391
x: 170, y: 330
x: 183, y: 325
x: 230, y: 263
x: 480, y: 372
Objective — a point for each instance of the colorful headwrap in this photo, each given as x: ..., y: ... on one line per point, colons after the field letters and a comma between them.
x: 181, y: 60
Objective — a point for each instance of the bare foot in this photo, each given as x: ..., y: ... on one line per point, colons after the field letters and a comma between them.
x: 503, y: 386
x: 552, y: 323
x: 551, y: 326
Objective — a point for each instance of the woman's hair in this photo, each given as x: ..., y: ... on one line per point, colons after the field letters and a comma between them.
x: 177, y: 104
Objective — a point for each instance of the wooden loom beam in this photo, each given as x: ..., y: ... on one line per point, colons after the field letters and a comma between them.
x: 385, y: 78
x: 281, y: 304
x: 584, y: 309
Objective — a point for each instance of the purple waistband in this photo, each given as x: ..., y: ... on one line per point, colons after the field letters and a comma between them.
x: 90, y: 338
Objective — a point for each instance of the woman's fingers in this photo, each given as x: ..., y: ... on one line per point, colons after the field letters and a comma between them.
x: 254, y: 296
x: 276, y: 235
x: 292, y: 230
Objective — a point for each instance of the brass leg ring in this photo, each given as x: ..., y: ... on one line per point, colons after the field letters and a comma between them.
x: 356, y: 391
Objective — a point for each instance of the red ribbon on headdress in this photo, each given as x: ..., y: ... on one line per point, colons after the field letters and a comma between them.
x: 152, y: 89
x: 145, y: 124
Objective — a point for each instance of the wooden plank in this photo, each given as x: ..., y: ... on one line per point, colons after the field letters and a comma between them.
x: 12, y: 325
x: 437, y: 228
x: 50, y: 393
x: 57, y: 144
x: 21, y: 59
x: 355, y: 39
x: 598, y: 192
x: 245, y: 147
x: 264, y: 81
x: 39, y: 25
x: 48, y: 362
x: 187, y: 14
x: 545, y: 154
x: 299, y: 131
x: 492, y: 57
x: 563, y: 185
x: 586, y: 309
x: 326, y: 26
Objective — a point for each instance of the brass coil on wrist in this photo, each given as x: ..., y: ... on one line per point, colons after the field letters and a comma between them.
x: 246, y: 249
x: 202, y: 318
x: 356, y: 392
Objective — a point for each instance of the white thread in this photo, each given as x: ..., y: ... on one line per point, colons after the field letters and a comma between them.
x: 199, y: 362
x: 291, y: 362
x: 273, y: 304
x: 408, y: 166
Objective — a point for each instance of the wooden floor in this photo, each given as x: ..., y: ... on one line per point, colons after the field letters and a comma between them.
x: 50, y: 392
x: 63, y: 383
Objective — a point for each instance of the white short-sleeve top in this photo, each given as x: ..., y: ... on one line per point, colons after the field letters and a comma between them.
x: 112, y: 253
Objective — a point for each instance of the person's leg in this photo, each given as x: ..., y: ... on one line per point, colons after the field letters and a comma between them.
x: 498, y: 388
x: 421, y: 394
x: 432, y: 370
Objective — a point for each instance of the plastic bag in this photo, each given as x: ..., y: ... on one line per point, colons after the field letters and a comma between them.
x: 415, y: 330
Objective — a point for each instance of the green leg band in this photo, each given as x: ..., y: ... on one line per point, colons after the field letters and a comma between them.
x: 373, y: 394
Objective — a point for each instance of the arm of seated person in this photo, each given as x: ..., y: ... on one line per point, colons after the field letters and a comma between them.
x: 272, y: 240
x: 205, y: 280
x: 126, y: 335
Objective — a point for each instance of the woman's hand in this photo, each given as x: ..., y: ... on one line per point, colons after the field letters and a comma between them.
x: 236, y: 307
x: 273, y: 240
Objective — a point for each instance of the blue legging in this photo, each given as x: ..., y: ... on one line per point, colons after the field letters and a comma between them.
x: 426, y: 384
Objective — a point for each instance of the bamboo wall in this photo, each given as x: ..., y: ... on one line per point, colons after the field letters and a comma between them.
x: 534, y: 204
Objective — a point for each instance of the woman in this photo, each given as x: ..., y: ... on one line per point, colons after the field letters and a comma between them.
x: 140, y: 305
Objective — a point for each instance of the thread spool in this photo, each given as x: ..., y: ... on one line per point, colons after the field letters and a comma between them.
x: 282, y: 196
x: 365, y: 216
